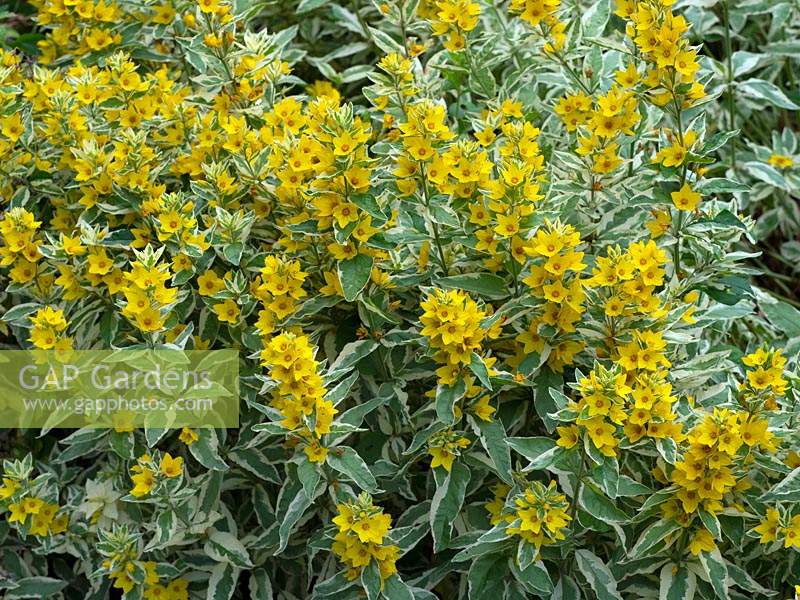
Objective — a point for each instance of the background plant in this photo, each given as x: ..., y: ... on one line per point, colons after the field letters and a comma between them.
x: 513, y: 285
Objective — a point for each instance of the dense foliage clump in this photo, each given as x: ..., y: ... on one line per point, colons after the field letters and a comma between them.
x: 513, y: 287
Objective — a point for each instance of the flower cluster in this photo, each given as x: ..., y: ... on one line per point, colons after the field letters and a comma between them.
x: 660, y: 36
x: 49, y: 326
x: 454, y: 18
x: 123, y: 565
x: 459, y: 248
x: 543, y: 16
x: 362, y: 531
x: 279, y: 290
x: 538, y: 515
x: 300, y: 393
x: 601, y: 121
x: 27, y: 504
x: 18, y: 230
x: 452, y: 324
x: 627, y: 282
x: 555, y: 279
x: 146, y: 473
x: 444, y: 447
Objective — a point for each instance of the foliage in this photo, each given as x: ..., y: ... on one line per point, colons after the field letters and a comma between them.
x: 492, y: 270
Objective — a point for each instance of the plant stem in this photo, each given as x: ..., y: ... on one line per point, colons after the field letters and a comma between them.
x: 578, y: 484
x: 434, y: 225
x: 676, y: 255
x: 514, y: 269
x: 729, y: 67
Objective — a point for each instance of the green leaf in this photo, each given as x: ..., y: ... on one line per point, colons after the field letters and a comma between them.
x: 711, y: 523
x: 597, y: 575
x: 606, y: 474
x: 260, y: 585
x: 340, y: 391
x: 478, y: 367
x: 347, y: 461
x: 332, y: 586
x: 385, y: 42
x: 718, y: 140
x: 526, y: 554
x: 759, y: 89
x: 122, y: 443
x: 787, y: 490
x: 745, y: 62
x: 484, y: 284
x: 539, y: 450
x: 567, y: 589
x: 493, y: 438
x: 354, y: 275
x: 21, y: 312
x: 309, y: 5
x: 600, y: 507
x: 35, y: 587
x: 668, y: 449
x: 548, y: 396
x: 256, y: 463
x: 166, y: 526
x: 446, y: 398
x: 486, y: 577
x: 446, y: 504
x: 740, y: 577
x: 714, y: 566
x: 654, y: 534
x: 785, y: 317
x: 223, y: 546
x: 296, y: 509
x: 767, y: 174
x: 535, y: 578
x: 233, y: 252
x: 206, y: 450
x: 371, y: 580
x: 490, y: 541
x: 395, y: 588
x: 595, y: 18
x: 350, y: 355
x: 720, y: 185
x: 222, y: 582
x: 676, y: 583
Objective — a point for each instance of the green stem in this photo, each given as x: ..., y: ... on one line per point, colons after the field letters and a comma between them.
x: 676, y: 252
x: 514, y: 269
x: 578, y: 484
x: 729, y: 67
x: 434, y: 225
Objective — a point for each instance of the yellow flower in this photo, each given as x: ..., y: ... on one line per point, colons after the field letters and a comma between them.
x: 316, y: 453
x: 685, y: 198
x: 149, y: 320
x: 568, y: 437
x: 227, y: 311
x: 209, y: 6
x: 781, y: 161
x: 768, y: 526
x: 171, y: 467
x: 507, y: 226
x: 143, y: 482
x: 11, y: 126
x: 792, y: 533
x: 188, y: 436
x: 17, y: 513
x: 441, y: 458
x: 483, y: 409
x: 702, y: 541
x: 209, y: 283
